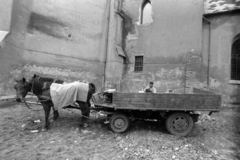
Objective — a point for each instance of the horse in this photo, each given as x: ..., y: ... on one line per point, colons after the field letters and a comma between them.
x: 52, y: 80
x: 41, y: 88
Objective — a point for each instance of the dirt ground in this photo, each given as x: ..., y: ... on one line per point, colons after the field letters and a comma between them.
x: 214, y: 138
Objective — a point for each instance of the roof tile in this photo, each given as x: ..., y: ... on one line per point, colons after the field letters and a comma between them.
x: 217, y: 6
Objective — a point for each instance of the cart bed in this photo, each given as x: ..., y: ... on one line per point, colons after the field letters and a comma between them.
x: 149, y: 101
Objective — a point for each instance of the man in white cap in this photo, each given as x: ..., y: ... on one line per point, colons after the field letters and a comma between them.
x: 150, y: 88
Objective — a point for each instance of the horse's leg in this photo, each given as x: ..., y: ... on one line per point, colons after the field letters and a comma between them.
x: 55, y: 113
x: 47, y: 108
x: 82, y: 118
x: 86, y: 110
x: 85, y: 113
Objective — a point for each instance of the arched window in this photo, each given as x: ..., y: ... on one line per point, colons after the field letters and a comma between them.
x: 235, y: 59
x: 146, y: 12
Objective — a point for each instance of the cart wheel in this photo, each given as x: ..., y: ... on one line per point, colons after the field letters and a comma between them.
x: 119, y: 123
x: 179, y: 124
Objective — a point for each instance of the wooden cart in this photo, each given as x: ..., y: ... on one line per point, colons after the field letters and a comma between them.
x: 178, y: 111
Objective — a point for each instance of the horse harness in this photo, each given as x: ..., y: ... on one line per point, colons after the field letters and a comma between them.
x: 45, y: 98
x: 44, y: 88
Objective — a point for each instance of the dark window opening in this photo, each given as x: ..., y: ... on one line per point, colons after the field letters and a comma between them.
x: 235, y: 60
x: 138, y: 63
x: 146, y: 12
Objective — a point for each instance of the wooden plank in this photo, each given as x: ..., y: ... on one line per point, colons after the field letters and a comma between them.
x: 163, y: 96
x: 10, y: 97
x: 168, y: 107
x: 171, y: 101
x: 7, y: 97
x: 165, y: 109
x: 30, y: 102
x: 196, y: 90
x: 166, y: 98
x: 105, y: 105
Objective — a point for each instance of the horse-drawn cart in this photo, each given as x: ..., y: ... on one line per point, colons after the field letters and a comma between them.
x: 178, y: 111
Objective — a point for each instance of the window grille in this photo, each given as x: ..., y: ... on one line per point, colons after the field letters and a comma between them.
x: 235, y: 60
x: 138, y: 63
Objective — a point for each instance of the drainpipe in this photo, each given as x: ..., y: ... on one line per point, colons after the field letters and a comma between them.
x: 209, y: 50
x: 107, y: 39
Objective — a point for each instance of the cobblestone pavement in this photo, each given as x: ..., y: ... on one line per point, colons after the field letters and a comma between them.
x: 213, y: 138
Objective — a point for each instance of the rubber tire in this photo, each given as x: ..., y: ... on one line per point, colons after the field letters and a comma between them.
x: 172, y: 118
x: 121, y: 118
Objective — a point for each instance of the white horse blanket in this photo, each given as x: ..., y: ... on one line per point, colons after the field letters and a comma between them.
x: 66, y: 94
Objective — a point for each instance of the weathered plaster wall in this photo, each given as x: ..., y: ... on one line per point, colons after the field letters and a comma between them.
x: 71, y: 40
x: 175, y: 31
x: 224, y: 27
x: 114, y: 62
x: 60, y: 38
x: 5, y: 18
x: 6, y: 10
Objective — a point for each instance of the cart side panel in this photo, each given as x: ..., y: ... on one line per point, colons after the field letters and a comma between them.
x: 167, y: 101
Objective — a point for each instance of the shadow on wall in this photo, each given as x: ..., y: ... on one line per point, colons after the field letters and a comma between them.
x: 47, y: 25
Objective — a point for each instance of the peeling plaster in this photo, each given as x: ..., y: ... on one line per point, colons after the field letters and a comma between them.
x: 163, y: 79
x: 6, y: 84
x: 132, y: 36
x: 170, y: 74
x: 167, y: 79
x: 170, y: 79
x: 67, y: 74
x: 214, y: 83
x: 7, y: 80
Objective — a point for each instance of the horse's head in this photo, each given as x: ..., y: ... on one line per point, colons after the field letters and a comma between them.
x: 22, y: 88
